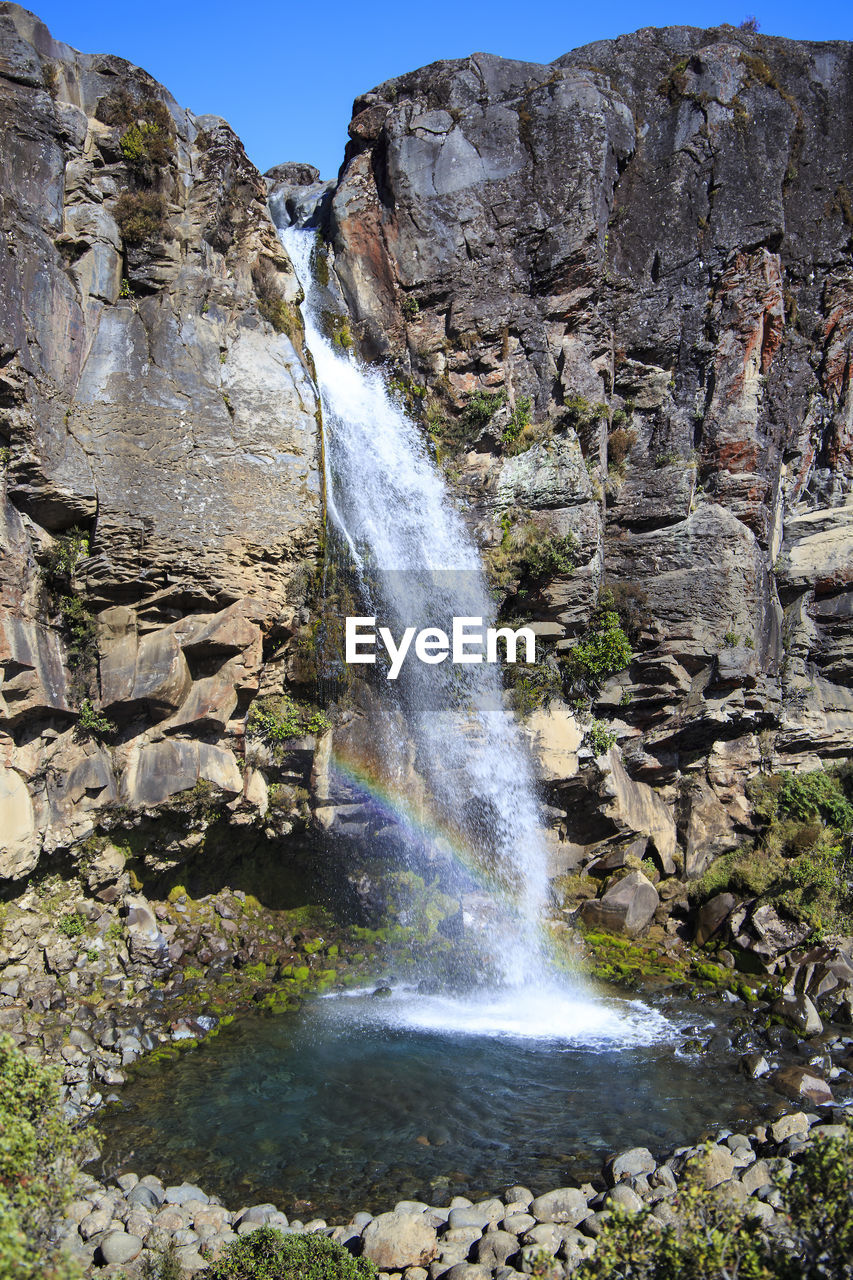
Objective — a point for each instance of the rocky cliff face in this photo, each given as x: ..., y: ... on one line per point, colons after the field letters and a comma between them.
x: 644, y: 251
x: 161, y: 490
x: 618, y: 290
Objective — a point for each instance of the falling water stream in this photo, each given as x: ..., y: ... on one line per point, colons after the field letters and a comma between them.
x: 417, y: 565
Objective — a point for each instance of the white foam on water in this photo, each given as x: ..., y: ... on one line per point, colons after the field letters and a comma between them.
x: 554, y: 1015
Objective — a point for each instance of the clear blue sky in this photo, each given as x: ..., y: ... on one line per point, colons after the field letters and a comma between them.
x: 285, y: 74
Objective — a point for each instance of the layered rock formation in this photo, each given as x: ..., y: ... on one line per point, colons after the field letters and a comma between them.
x: 642, y: 250
x: 155, y: 401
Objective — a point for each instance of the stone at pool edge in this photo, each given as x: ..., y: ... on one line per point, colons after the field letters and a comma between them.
x: 564, y: 1205
x: 394, y: 1241
x: 119, y: 1247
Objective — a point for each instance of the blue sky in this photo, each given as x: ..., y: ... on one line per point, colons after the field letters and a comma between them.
x: 284, y: 75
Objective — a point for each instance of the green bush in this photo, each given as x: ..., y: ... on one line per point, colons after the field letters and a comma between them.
x: 276, y: 719
x: 66, y: 552
x: 819, y: 1196
x: 799, y: 863
x: 544, y: 557
x: 818, y: 794
x: 37, y: 1153
x: 518, y: 420
x: 715, y: 1238
x: 141, y: 216
x: 605, y: 651
x: 481, y: 408
x: 267, y: 1254
x: 81, y: 643
x: 92, y: 723
x: 146, y: 149
x: 584, y: 413
x: 410, y: 308
x: 599, y: 738
x: 71, y: 925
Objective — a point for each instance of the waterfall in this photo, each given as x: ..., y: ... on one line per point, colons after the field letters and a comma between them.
x: 417, y: 565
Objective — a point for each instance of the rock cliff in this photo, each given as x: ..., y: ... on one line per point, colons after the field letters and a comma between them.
x: 160, y: 449
x: 638, y: 259
x: 618, y: 291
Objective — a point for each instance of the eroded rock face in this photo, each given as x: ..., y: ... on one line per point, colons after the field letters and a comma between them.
x: 154, y: 395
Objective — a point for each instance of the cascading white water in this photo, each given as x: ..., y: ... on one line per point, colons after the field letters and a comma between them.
x: 418, y: 566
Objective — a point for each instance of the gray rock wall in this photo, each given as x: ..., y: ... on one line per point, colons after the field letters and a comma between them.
x: 146, y: 400
x: 650, y: 239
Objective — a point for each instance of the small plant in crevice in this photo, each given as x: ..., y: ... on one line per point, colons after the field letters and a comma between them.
x: 481, y: 408
x: 77, y: 623
x: 620, y: 442
x: 583, y: 413
x: 276, y: 718
x: 163, y: 1262
x: 599, y: 738
x: 410, y: 307
x: 526, y: 556
x: 92, y: 723
x: 519, y: 419
x: 64, y: 555
x: 531, y: 687
x: 548, y: 556
x: 71, y: 925
x: 141, y: 217
x: 408, y: 392
x: 283, y: 317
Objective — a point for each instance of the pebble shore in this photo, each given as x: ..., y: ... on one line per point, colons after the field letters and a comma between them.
x: 114, y: 1228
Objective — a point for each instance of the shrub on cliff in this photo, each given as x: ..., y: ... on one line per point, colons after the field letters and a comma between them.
x: 603, y: 652
x: 800, y: 861
x: 37, y: 1150
x: 267, y: 1254
x: 141, y: 216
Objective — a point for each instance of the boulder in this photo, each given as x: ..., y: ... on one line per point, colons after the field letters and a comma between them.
x: 495, y: 1248
x: 145, y: 942
x: 397, y: 1240
x: 629, y: 1164
x: 565, y: 1204
x: 625, y: 1198
x: 802, y: 1084
x: 626, y: 907
x: 798, y: 1010
x: 712, y: 915
x: 477, y: 1215
x: 715, y: 1165
x: 787, y: 1126
x: 119, y: 1247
